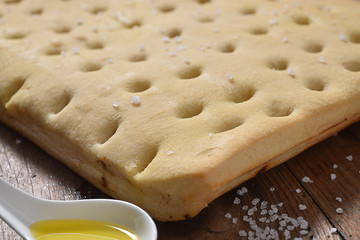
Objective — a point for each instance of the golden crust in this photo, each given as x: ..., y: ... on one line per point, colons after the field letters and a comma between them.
x: 169, y: 104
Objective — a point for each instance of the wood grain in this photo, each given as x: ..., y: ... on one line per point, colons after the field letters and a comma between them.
x: 32, y: 170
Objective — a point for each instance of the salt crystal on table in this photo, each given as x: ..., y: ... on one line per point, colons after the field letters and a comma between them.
x: 273, y: 217
x: 242, y: 191
x: 298, y: 190
x: 263, y: 219
x: 237, y: 200
x: 335, y: 166
x: 307, y: 179
x: 290, y: 228
x: 263, y: 204
x: 339, y: 210
x: 255, y: 201
x: 333, y: 230
x: 350, y: 157
x: 304, y: 224
x: 339, y: 199
x: 228, y: 215
x: 242, y: 233
x: 287, y: 234
x: 302, y: 207
x: 333, y: 176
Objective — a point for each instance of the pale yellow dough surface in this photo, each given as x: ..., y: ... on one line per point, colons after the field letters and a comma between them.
x: 169, y: 104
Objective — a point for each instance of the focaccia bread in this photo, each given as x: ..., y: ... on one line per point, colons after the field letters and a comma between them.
x: 169, y: 104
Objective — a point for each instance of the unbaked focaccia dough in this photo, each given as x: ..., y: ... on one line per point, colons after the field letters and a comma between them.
x: 169, y: 104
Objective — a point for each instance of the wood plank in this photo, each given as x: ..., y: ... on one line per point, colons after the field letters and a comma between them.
x: 343, y: 150
x: 276, y: 186
x: 35, y: 172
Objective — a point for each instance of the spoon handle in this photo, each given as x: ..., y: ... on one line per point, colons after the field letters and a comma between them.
x: 13, y: 208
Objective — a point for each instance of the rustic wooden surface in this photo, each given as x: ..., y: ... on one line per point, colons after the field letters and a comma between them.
x: 32, y: 170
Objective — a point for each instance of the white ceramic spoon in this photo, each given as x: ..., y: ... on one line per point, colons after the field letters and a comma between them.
x: 20, y: 210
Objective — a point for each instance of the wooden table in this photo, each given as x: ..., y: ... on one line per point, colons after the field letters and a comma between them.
x: 333, y: 165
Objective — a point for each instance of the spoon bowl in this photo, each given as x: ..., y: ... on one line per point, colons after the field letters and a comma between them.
x: 20, y: 210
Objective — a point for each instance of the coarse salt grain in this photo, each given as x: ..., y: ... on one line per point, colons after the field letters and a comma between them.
x: 242, y: 191
x: 335, y: 166
x: 339, y: 210
x: 307, y: 179
x: 236, y: 200
x: 333, y: 176
x: 171, y: 152
x: 234, y: 220
x: 273, y: 217
x: 349, y: 158
x: 321, y: 59
x: 290, y: 228
x: 291, y: 72
x: 304, y: 224
x: 186, y: 60
x: 339, y: 199
x: 242, y: 233
x: 263, y: 204
x: 228, y: 215
x: 263, y: 219
x: 303, y: 232
x: 115, y: 104
x: 272, y: 189
x: 172, y: 54
x: 342, y: 37
x: 250, y: 212
x: 298, y: 190
x: 135, y: 100
x: 333, y: 230
x: 302, y: 207
x: 255, y: 201
x: 230, y: 77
